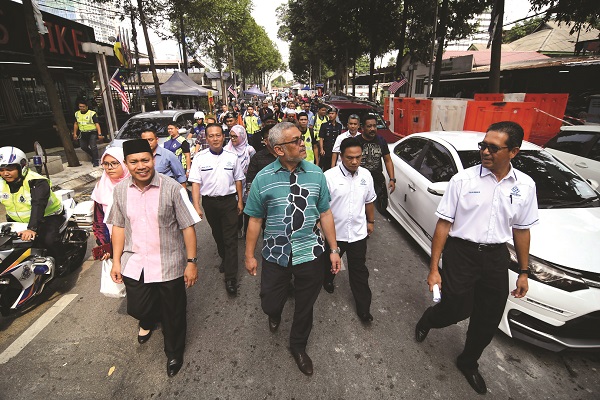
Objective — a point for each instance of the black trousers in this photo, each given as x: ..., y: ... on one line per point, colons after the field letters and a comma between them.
x: 475, y: 284
x: 87, y: 142
x: 325, y: 161
x: 221, y: 214
x: 48, y: 236
x: 358, y: 274
x: 274, y: 283
x: 164, y: 302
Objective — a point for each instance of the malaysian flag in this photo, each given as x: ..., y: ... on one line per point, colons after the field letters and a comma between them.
x: 398, y: 84
x: 232, y: 91
x: 117, y: 83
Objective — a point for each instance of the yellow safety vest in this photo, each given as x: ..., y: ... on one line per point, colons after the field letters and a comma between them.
x: 85, y: 121
x: 18, y: 205
x: 251, y: 122
x: 318, y: 123
x: 308, y: 141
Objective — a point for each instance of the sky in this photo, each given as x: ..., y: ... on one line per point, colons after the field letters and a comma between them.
x: 264, y: 13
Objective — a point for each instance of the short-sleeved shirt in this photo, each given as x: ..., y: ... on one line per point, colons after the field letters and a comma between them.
x: 167, y: 163
x: 292, y: 204
x: 153, y: 218
x: 349, y: 194
x: 483, y: 210
x: 338, y: 143
x: 216, y: 173
x: 373, y: 152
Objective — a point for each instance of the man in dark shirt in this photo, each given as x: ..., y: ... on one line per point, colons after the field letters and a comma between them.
x: 375, y: 149
x: 265, y: 112
x: 328, y: 132
x: 261, y: 159
x: 258, y: 141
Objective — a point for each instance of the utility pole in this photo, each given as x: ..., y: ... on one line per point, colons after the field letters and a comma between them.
x: 496, y: 54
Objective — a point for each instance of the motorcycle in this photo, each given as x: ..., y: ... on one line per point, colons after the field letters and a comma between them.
x: 25, y: 270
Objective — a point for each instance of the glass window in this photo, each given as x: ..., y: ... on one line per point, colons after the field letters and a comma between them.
x: 594, y: 153
x: 420, y: 86
x: 437, y: 165
x: 572, y: 142
x: 186, y: 121
x: 134, y: 127
x: 410, y: 150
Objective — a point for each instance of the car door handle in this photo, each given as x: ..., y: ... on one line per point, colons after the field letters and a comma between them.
x: 581, y: 165
x: 411, y: 187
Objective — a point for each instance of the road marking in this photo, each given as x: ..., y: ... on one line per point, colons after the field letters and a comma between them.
x: 31, y: 332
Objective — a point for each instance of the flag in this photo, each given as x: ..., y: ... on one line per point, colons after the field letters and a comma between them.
x: 121, y: 51
x: 116, y: 82
x: 398, y: 84
x: 232, y: 91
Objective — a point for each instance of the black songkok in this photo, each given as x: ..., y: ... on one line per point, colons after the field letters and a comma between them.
x: 136, y: 146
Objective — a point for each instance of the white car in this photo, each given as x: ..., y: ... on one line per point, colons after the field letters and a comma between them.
x: 562, y: 308
x: 578, y: 147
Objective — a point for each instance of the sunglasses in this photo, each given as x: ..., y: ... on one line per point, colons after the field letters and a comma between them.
x: 296, y: 141
x: 491, y: 147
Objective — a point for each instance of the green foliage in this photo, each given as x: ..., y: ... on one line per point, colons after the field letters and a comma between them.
x: 578, y: 12
x: 520, y: 30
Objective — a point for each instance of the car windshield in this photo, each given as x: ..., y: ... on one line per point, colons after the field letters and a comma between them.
x: 362, y: 113
x: 557, y: 186
x: 134, y: 127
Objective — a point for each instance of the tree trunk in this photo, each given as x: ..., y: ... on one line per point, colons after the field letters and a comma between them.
x: 182, y: 41
x: 401, y: 42
x: 371, y: 72
x: 159, y: 101
x: 496, y: 53
x: 137, y: 57
x: 440, y: 50
x: 51, y: 92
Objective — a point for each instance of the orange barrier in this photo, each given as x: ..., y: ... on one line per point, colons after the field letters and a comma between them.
x: 411, y: 115
x: 488, y: 97
x: 481, y: 114
x: 548, y: 120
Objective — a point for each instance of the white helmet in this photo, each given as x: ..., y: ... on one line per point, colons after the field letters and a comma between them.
x: 12, y: 156
x: 199, y: 115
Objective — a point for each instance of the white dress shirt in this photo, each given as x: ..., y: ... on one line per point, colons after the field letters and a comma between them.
x: 338, y: 143
x: 483, y: 210
x: 349, y: 194
x: 216, y: 173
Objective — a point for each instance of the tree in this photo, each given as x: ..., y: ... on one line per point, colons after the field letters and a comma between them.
x: 577, y: 12
x: 48, y: 82
x: 142, y: 16
x: 521, y: 29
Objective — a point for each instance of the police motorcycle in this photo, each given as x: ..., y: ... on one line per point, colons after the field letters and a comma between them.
x: 25, y: 268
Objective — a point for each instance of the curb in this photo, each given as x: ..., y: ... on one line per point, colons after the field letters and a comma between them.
x: 79, y: 181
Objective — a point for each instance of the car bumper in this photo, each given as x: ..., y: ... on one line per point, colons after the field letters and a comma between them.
x: 552, y: 318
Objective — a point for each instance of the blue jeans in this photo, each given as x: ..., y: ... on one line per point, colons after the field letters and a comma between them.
x: 87, y: 142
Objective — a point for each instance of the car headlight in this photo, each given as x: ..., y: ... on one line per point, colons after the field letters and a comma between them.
x: 551, y: 275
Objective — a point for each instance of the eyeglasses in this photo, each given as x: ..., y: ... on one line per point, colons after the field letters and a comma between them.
x: 233, y: 136
x: 491, y: 147
x: 296, y: 141
x: 111, y: 165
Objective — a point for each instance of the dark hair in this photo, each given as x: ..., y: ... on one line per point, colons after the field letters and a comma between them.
x: 354, y: 116
x: 175, y: 124
x: 349, y: 142
x: 149, y: 129
x: 322, y: 106
x: 211, y: 125
x: 302, y: 114
x: 369, y: 117
x: 265, y: 131
x: 512, y: 129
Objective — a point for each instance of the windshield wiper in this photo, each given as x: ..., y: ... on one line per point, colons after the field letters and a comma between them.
x: 560, y: 203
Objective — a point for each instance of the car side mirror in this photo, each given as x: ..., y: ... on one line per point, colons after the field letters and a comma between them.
x: 593, y: 183
x: 438, y: 188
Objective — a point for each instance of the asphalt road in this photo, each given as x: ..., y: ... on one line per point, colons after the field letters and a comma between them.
x: 89, y: 350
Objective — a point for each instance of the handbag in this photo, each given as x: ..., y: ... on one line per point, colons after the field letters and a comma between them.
x: 99, y: 251
x: 107, y: 286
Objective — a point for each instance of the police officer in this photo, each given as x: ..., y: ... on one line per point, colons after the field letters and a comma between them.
x: 179, y: 146
x: 86, y: 121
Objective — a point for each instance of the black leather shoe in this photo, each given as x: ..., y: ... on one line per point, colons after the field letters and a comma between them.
x: 420, y: 332
x: 173, y: 366
x: 274, y: 324
x: 475, y: 379
x: 145, y: 338
x: 230, y: 286
x: 303, y: 361
x: 328, y: 286
x: 365, y: 317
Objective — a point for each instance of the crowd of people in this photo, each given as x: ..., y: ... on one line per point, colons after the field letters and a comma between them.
x: 310, y: 187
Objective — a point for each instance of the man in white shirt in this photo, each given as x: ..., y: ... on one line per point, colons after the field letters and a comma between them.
x: 352, y: 196
x: 216, y: 177
x: 483, y: 207
x: 352, y: 125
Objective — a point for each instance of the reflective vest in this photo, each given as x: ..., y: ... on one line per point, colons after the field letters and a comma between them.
x: 251, y: 122
x: 85, y: 121
x: 18, y: 205
x: 174, y: 145
x: 318, y: 123
x: 309, y: 140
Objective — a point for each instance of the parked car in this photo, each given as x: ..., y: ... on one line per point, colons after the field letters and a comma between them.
x: 579, y: 148
x: 347, y: 108
x: 159, y: 120
x: 562, y: 308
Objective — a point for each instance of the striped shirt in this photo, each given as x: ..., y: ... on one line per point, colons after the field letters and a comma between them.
x: 292, y: 203
x: 153, y: 218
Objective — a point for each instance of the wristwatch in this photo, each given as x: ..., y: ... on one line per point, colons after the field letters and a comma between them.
x: 393, y: 180
x: 192, y: 260
x: 524, y: 271
x: 335, y: 251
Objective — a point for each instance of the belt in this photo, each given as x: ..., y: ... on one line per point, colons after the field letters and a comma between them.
x: 219, y: 197
x: 478, y: 246
x: 89, y: 131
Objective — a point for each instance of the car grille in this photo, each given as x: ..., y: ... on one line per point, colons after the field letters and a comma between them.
x: 586, y: 327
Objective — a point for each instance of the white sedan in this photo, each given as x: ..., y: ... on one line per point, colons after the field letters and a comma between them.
x: 562, y: 308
